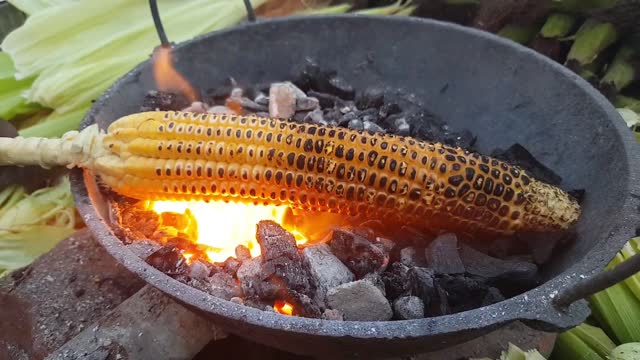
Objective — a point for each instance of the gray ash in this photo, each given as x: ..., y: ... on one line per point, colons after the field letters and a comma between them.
x: 366, y: 271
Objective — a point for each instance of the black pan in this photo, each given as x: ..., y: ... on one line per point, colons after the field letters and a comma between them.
x: 501, y: 91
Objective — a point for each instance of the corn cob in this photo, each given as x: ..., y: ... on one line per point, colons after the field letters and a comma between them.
x: 187, y: 156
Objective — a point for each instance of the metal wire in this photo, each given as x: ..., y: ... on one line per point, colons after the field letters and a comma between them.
x: 153, y: 4
x: 251, y: 14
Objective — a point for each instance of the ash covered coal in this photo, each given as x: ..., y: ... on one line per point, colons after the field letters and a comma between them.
x: 362, y: 272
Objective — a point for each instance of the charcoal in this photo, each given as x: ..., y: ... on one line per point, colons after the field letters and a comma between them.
x: 231, y: 265
x: 332, y: 115
x: 220, y: 285
x: 347, y: 118
x: 141, y: 223
x: 169, y: 260
x: 409, y: 235
x: 463, y: 139
x: 427, y: 126
x: 261, y: 99
x: 397, y: 281
x: 338, y: 86
x: 163, y: 101
x: 303, y: 305
x: 370, y: 98
x: 275, y: 241
x: 355, y: 124
x: 464, y: 293
x: 326, y: 270
x: 237, y: 300
x: 422, y: 282
x: 541, y: 245
x: 385, y: 244
x: 315, y: 117
x: 332, y: 314
x: 242, y: 253
x: 256, y: 303
x: 376, y: 280
x: 390, y: 109
x: 401, y: 127
x: 442, y: 255
x: 236, y: 92
x: 250, y: 105
x: 143, y: 248
x: 196, y: 107
x: 346, y: 107
x: 438, y: 305
x: 325, y: 100
x: 501, y: 247
x: 251, y: 278
x: 262, y: 114
x: 300, y: 116
x: 219, y: 109
x: 492, y: 296
x: 360, y: 301
x: 309, y: 76
x: 357, y: 253
x: 412, y: 256
x: 375, y: 226
x: 285, y: 274
x: 494, y: 269
x: 519, y: 156
x: 372, y: 127
x: 282, y: 100
x: 199, y: 270
x: 408, y: 307
x: 307, y: 103
x: 577, y: 194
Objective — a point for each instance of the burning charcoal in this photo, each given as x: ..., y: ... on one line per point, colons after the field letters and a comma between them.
x: 199, y: 270
x: 242, y: 253
x: 373, y: 127
x: 492, y: 296
x: 237, y: 300
x: 442, y: 255
x: 339, y: 87
x: 408, y: 307
x: 248, y: 104
x: 357, y: 253
x: 315, y: 117
x: 518, y: 155
x: 283, y: 274
x: 325, y: 100
x: 385, y: 244
x: 220, y: 285
x: 169, y: 260
x: 196, y: 107
x: 143, y: 248
x: 231, y: 265
x: 307, y: 103
x: 332, y: 314
x: 250, y: 276
x: 360, y: 301
x: 370, y: 98
x: 262, y: 99
x: 422, y: 281
x: 140, y: 223
x: 326, y: 269
x: 236, y: 92
x: 463, y: 139
x: 485, y: 266
x: 275, y: 241
x: 163, y: 101
x: 256, y: 303
x: 303, y: 305
x: 355, y: 124
x: 401, y: 127
x: 282, y: 101
x: 411, y: 256
x: 219, y: 109
x: 464, y: 293
x: 397, y: 281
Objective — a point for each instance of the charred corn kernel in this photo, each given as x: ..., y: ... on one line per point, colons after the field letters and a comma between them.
x: 187, y: 156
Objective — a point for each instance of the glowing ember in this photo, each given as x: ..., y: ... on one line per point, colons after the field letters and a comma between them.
x: 222, y: 226
x: 166, y: 76
x: 283, y: 307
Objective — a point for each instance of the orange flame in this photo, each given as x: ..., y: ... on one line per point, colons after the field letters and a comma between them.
x: 166, y: 76
x: 283, y: 307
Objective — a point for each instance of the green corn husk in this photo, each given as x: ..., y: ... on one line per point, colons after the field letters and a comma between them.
x: 518, y: 33
x: 399, y: 5
x: 31, y: 224
x: 570, y: 346
x: 591, y: 39
x: 31, y: 7
x: 595, y: 338
x: 582, y: 6
x: 12, y: 101
x: 621, y: 72
x: 630, y: 351
x: 330, y: 10
x: 621, y: 101
x: 558, y: 25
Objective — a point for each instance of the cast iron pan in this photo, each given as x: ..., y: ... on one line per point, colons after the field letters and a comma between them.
x: 503, y: 92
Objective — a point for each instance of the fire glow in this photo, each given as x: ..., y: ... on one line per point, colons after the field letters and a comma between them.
x: 222, y: 226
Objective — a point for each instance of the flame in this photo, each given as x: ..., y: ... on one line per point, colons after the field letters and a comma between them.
x: 283, y: 307
x: 166, y: 76
x: 222, y: 226
x: 187, y: 257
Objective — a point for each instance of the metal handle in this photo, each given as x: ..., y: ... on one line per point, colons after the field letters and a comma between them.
x: 598, y: 282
